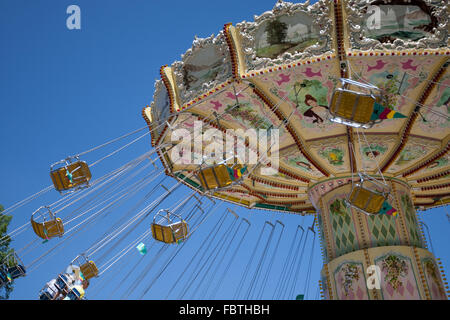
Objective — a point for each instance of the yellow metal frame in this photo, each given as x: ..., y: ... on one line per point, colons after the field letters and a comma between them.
x: 172, y: 232
x: 87, y: 267
x: 366, y: 200
x: 49, y: 228
x: 81, y: 175
x: 217, y: 176
x: 12, y: 260
x: 354, y: 108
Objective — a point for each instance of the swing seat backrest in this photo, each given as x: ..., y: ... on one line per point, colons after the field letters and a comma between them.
x: 48, y: 229
x: 352, y: 106
x: 214, y: 177
x: 17, y: 271
x: 217, y: 176
x: 89, y: 270
x: 366, y: 200
x: 170, y: 233
x: 80, y: 175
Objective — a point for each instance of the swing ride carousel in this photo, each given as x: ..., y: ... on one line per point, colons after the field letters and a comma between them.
x: 359, y: 92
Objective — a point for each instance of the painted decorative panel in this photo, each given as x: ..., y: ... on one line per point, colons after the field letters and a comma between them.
x: 287, y: 33
x: 350, y: 281
x: 400, y: 77
x: 332, y: 153
x: 398, y: 280
x: 292, y: 157
x: 383, y: 230
x: 204, y: 66
x: 396, y: 24
x: 436, y: 113
x: 387, y: 23
x: 308, y: 96
x: 342, y: 225
x: 160, y: 108
x: 413, y: 152
x: 372, y: 150
x: 237, y: 107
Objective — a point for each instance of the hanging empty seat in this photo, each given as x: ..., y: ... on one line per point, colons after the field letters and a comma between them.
x: 88, y: 269
x: 221, y: 175
x: 67, y: 175
x: 169, y: 228
x: 354, y: 104
x: 367, y: 197
x: 45, y: 224
x: 13, y: 267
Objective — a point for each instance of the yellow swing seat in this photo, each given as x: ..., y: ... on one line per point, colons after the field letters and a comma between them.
x: 13, y: 266
x: 217, y: 176
x: 354, y: 108
x: 81, y: 175
x: 49, y: 227
x: 87, y: 267
x: 367, y: 200
x: 168, y: 231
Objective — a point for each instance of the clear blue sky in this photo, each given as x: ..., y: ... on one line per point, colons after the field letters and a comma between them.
x: 64, y: 91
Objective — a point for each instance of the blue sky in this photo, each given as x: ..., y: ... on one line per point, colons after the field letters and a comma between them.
x: 64, y: 91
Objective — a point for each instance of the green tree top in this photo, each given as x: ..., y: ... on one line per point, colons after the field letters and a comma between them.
x: 5, y: 240
x: 276, y: 32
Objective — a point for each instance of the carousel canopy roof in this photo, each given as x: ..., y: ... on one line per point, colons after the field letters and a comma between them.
x: 282, y: 70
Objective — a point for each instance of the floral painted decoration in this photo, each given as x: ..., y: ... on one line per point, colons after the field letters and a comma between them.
x: 338, y: 207
x: 394, y: 268
x: 430, y: 268
x: 350, y: 273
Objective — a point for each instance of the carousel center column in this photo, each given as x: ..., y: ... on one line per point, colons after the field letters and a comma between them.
x: 379, y: 257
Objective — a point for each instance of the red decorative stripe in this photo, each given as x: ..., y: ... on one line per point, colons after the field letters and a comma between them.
x: 280, y: 203
x: 339, y: 35
x: 233, y: 52
x: 163, y: 132
x: 292, y: 175
x: 439, y: 186
x: 161, y: 157
x: 249, y: 191
x: 435, y: 195
x: 168, y: 87
x: 280, y: 195
x: 149, y: 124
x: 274, y: 184
x: 258, y: 194
x: 434, y: 177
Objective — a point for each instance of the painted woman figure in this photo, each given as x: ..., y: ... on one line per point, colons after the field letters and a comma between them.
x: 311, y: 102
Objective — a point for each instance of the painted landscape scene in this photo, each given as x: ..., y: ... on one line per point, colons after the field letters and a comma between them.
x: 285, y: 34
x: 386, y: 23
